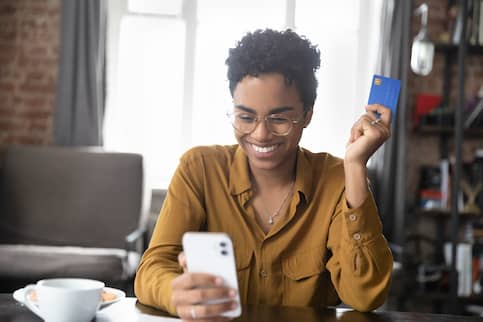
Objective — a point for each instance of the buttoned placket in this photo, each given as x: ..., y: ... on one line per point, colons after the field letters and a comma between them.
x: 263, y: 274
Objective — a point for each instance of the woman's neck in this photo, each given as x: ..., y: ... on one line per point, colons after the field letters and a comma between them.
x: 274, y: 178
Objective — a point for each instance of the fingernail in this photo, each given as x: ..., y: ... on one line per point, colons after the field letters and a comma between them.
x: 234, y: 305
x: 232, y: 293
x: 218, y: 281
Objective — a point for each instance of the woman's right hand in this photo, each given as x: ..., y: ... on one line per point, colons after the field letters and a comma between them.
x: 192, y: 291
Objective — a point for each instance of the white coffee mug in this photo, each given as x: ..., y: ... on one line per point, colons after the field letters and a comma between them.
x: 65, y: 299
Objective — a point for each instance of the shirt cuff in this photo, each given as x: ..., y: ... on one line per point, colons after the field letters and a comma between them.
x: 362, y: 223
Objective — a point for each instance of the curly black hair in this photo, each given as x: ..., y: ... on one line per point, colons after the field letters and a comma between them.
x: 271, y: 51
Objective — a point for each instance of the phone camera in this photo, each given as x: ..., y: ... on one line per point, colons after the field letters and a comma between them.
x: 222, y: 244
x: 224, y: 252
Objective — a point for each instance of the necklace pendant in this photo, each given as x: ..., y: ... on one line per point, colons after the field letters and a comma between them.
x: 270, y: 220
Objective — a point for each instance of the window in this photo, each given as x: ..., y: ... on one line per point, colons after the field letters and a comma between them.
x: 167, y: 76
x: 212, y: 98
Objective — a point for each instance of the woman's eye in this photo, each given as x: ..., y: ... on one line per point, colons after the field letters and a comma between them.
x: 278, y: 119
x: 246, y: 118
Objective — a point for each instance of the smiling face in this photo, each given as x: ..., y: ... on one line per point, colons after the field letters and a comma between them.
x: 265, y: 95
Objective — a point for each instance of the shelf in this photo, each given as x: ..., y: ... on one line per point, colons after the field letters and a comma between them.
x: 444, y: 295
x: 451, y: 48
x: 446, y: 214
x: 433, y: 129
x: 454, y: 75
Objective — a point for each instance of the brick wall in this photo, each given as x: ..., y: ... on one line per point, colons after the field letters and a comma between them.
x: 29, y: 41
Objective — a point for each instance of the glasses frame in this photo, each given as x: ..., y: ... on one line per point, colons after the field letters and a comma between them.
x: 265, y: 118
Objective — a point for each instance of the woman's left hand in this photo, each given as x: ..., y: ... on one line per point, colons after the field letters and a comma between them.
x: 368, y: 134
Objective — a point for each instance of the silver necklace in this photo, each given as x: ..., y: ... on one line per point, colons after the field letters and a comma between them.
x: 275, y: 214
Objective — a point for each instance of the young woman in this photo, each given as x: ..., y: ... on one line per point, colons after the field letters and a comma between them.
x: 304, y: 225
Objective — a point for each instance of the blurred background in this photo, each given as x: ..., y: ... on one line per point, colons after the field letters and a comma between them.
x: 148, y: 78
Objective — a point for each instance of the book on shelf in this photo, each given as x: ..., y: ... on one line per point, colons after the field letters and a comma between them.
x: 478, y: 173
x: 477, y: 232
x: 458, y: 25
x: 464, y: 266
x: 424, y: 103
x: 474, y: 34
x: 434, y: 191
x: 430, y: 196
x: 475, y: 118
x: 434, y: 186
x: 471, y: 184
x: 474, y: 23
x: 445, y: 183
x: 475, y: 19
x: 472, y: 17
x: 480, y: 24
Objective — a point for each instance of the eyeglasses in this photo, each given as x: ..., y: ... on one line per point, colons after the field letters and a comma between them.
x: 277, y: 124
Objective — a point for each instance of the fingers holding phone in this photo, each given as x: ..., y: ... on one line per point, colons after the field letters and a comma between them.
x: 200, y: 296
x: 208, y: 288
x: 182, y: 261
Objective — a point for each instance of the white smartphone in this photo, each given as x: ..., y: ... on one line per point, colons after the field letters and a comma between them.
x: 213, y: 253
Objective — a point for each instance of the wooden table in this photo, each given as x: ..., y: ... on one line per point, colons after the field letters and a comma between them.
x: 129, y: 310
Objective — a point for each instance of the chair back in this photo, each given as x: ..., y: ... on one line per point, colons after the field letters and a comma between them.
x: 69, y: 196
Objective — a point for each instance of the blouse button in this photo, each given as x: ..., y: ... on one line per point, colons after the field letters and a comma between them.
x: 357, y: 236
x: 263, y: 273
x: 352, y: 217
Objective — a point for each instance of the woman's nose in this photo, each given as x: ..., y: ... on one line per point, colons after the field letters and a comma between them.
x: 261, y: 130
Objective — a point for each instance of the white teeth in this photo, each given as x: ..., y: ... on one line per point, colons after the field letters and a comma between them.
x: 264, y: 149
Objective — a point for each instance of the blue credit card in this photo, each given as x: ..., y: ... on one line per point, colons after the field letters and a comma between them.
x: 385, y: 91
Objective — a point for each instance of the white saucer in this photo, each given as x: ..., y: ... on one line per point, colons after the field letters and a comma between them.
x: 19, y: 296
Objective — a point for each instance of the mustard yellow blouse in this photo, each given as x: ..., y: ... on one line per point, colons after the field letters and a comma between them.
x: 319, y: 253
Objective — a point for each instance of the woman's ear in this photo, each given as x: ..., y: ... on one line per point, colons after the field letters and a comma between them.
x: 308, y: 117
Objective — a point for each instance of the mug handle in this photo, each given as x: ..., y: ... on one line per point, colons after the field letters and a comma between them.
x: 28, y: 302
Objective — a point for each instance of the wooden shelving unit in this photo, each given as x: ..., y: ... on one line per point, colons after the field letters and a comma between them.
x: 439, y: 130
x: 446, y: 214
x: 471, y: 49
x: 454, y: 55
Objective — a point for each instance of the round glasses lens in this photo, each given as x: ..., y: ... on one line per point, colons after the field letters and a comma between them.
x: 243, y: 122
x: 279, y: 124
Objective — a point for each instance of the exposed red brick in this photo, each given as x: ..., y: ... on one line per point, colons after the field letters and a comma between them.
x: 40, y: 9
x: 38, y: 51
x: 24, y: 139
x: 35, y: 76
x: 12, y: 124
x: 32, y: 114
x: 36, y: 101
x: 6, y: 110
x: 29, y: 41
x: 39, y: 125
x: 7, y: 87
x: 7, y: 49
x: 32, y: 62
x: 54, y: 13
x: 8, y: 35
x: 38, y: 88
x: 7, y: 9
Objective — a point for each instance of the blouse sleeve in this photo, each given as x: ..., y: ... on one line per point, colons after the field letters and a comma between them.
x: 361, y: 262
x: 182, y: 211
